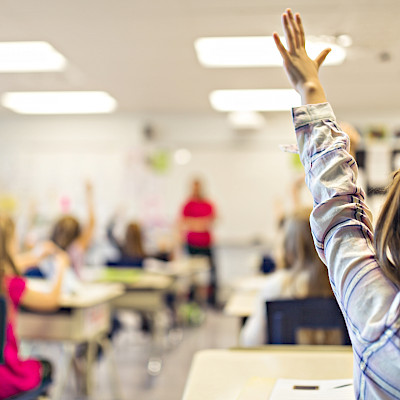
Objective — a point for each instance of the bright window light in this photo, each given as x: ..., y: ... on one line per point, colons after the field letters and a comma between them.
x: 59, y: 102
x: 256, y: 51
x: 254, y: 100
x: 30, y: 57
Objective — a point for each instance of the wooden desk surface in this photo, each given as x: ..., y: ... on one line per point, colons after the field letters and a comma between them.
x: 222, y: 374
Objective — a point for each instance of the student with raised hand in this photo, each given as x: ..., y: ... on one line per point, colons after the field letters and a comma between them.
x: 69, y: 235
x: 363, y: 265
x: 18, y: 375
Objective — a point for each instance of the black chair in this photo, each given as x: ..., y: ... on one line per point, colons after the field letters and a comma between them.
x: 30, y: 394
x: 126, y: 262
x: 3, y: 317
x: 286, y: 317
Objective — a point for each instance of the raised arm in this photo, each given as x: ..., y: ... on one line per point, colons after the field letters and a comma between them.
x: 341, y: 225
x: 47, y: 301
x: 301, y: 70
x: 32, y: 258
x: 86, y: 236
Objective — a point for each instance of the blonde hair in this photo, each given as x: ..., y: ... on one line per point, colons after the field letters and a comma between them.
x: 7, y: 231
x: 65, y: 231
x: 387, y: 233
x: 300, y: 254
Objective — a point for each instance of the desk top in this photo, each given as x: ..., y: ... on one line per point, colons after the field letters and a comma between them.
x: 241, y: 303
x: 91, y: 294
x: 222, y: 374
x: 243, y: 300
x: 86, y: 295
x: 179, y: 268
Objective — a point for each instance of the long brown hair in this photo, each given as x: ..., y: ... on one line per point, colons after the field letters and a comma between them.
x: 133, y: 246
x: 387, y: 233
x: 300, y: 254
x: 65, y: 231
x: 7, y: 230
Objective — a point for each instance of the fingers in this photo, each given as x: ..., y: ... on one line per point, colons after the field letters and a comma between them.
x: 301, y: 30
x: 294, y: 27
x: 288, y: 32
x: 321, y: 57
x: 280, y: 46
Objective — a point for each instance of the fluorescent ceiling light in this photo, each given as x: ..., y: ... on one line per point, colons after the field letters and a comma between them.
x: 182, y: 156
x: 59, y: 102
x: 256, y: 51
x: 30, y: 57
x: 254, y: 100
x: 246, y: 120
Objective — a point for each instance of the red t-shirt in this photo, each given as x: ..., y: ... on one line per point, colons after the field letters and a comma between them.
x: 198, y: 208
x: 16, y: 375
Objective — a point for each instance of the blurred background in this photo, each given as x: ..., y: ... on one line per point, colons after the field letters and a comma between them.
x: 175, y: 102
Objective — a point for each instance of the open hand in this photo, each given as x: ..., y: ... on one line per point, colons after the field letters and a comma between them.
x: 302, y: 71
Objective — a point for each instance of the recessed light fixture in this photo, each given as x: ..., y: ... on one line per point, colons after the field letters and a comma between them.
x: 30, y: 57
x: 256, y: 51
x: 59, y: 102
x: 254, y: 100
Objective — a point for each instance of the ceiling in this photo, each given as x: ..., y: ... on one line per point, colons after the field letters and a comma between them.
x: 141, y: 51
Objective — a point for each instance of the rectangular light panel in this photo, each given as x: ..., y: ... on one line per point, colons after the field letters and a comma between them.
x: 30, y: 57
x: 254, y: 100
x: 59, y: 102
x: 256, y: 51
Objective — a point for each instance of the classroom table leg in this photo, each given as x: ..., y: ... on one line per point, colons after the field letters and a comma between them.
x: 106, y: 345
x: 69, y: 354
x: 90, y: 357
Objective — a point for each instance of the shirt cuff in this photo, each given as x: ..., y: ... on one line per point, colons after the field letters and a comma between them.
x: 309, y: 113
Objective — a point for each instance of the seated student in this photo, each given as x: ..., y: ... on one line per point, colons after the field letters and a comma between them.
x: 299, y: 274
x: 131, y: 252
x: 18, y: 375
x: 74, y: 239
x: 363, y: 265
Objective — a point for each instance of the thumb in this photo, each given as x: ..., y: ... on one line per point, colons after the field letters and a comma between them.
x: 321, y: 57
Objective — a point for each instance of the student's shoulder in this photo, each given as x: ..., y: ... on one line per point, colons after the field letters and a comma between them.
x: 15, y: 286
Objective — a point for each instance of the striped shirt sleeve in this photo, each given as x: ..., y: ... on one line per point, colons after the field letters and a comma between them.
x: 341, y: 224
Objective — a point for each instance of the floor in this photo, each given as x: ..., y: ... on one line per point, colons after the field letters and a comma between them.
x: 132, y: 349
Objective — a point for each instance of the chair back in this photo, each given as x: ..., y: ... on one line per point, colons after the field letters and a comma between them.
x: 286, y: 317
x: 3, y: 324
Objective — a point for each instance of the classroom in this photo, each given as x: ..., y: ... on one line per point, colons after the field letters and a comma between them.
x: 199, y: 200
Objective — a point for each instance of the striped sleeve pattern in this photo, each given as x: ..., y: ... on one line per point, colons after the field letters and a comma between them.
x: 341, y: 225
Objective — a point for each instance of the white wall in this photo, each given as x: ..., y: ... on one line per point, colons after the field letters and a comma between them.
x: 47, y: 158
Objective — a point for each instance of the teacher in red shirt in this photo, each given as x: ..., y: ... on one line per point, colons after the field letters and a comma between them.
x: 197, y: 218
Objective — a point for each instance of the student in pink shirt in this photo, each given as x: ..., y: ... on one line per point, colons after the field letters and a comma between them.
x: 197, y: 218
x: 18, y: 375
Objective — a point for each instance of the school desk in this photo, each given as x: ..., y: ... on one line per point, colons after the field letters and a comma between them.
x: 224, y: 374
x: 84, y: 317
x: 243, y: 300
x: 144, y: 292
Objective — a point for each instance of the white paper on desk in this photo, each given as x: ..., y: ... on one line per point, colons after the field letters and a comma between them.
x: 327, y: 390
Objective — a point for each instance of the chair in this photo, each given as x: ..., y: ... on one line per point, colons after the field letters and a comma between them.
x: 2, y: 327
x: 286, y: 317
x: 31, y: 394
